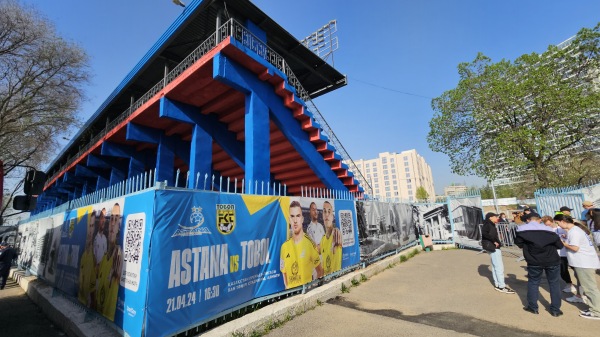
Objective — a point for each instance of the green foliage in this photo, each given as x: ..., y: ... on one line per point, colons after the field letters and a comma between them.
x: 355, y: 282
x: 403, y: 258
x: 345, y: 289
x: 422, y: 194
x: 526, y: 116
x: 503, y: 191
x: 363, y: 278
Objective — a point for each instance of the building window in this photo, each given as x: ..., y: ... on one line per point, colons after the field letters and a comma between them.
x: 376, y: 185
x: 393, y: 176
x: 368, y: 170
x: 409, y: 187
x: 385, y: 171
x: 387, y: 188
x: 367, y: 165
x: 395, y: 188
x: 393, y: 170
x: 388, y: 194
x: 384, y: 160
x: 391, y: 160
x: 375, y: 175
x: 392, y: 165
x: 395, y: 193
x: 387, y: 183
x: 385, y: 167
x: 374, y: 164
x: 407, y: 169
x: 408, y: 175
x: 405, y: 158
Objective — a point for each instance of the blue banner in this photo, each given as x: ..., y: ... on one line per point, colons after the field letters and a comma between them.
x: 101, y: 258
x: 211, y: 252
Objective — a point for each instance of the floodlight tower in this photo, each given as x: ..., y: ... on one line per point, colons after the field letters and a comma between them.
x: 324, y: 41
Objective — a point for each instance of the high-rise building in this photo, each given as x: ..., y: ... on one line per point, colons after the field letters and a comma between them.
x: 397, y: 176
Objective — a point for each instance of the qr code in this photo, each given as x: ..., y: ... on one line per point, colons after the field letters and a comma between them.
x: 133, y: 240
x: 347, y: 227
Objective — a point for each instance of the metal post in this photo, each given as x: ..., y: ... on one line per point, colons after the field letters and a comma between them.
x: 494, y: 193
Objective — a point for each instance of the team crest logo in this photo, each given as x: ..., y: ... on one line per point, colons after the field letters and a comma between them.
x: 295, y: 268
x: 196, y: 228
x: 225, y: 218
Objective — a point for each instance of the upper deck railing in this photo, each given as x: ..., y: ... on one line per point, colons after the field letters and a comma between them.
x: 240, y: 33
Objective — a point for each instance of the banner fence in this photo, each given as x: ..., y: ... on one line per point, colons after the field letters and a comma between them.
x: 207, y: 254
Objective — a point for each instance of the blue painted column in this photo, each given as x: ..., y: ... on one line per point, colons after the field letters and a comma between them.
x: 257, y: 145
x: 200, y: 159
x: 117, y: 172
x: 200, y: 156
x: 165, y: 159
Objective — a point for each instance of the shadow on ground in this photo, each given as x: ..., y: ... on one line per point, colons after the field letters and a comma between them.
x: 446, y: 320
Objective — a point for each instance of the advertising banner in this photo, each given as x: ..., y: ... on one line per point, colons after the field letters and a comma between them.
x: 96, y: 254
x: 212, y: 252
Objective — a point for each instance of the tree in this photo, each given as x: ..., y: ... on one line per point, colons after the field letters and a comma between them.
x: 41, y: 88
x: 528, y: 117
x: 421, y: 194
x: 503, y: 191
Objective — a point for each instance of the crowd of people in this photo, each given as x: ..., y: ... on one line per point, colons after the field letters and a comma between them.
x: 554, y: 246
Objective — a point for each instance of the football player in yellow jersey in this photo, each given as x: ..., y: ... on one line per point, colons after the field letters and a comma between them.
x: 299, y: 255
x: 87, y: 267
x: 331, y: 253
x: 109, y: 271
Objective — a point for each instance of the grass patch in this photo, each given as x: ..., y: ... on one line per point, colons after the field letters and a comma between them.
x: 345, y: 289
x: 355, y: 282
x: 363, y: 278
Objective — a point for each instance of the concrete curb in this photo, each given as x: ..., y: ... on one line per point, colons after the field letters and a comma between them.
x: 78, y: 321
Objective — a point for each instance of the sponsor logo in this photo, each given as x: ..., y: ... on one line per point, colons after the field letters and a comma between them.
x: 196, y: 228
x: 225, y: 218
x: 130, y: 311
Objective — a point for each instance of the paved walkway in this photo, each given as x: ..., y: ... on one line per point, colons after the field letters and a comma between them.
x: 440, y: 293
x: 19, y: 316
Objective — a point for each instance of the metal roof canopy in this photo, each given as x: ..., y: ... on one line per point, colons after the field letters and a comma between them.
x: 192, y: 27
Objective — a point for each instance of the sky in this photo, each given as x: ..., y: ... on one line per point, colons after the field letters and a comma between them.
x: 397, y: 55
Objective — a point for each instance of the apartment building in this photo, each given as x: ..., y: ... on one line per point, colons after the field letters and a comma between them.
x: 397, y: 176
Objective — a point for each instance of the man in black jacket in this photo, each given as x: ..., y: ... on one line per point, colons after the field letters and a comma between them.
x: 7, y: 255
x: 491, y: 243
x: 540, y: 244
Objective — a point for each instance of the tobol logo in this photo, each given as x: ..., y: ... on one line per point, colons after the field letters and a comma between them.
x: 225, y: 218
x: 197, y: 220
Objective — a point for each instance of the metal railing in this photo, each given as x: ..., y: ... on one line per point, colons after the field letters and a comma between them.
x: 201, y: 182
x: 239, y: 32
